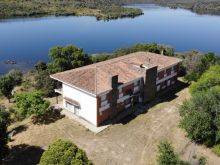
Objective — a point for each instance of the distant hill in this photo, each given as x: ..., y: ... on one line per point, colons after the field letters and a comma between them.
x: 101, y: 9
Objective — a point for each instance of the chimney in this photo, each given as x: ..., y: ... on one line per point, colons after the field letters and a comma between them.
x: 114, y: 95
x: 114, y: 82
x: 150, y: 77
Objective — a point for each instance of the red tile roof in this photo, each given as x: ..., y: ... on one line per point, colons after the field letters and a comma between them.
x: 96, y: 78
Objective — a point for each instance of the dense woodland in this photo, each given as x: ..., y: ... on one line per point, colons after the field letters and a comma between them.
x: 197, y: 6
x: 101, y: 9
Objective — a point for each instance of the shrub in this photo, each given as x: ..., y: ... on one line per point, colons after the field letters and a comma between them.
x: 64, y: 153
x: 216, y: 149
x: 202, y: 160
x: 167, y: 156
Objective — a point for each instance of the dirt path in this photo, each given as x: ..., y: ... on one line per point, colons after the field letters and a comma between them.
x: 132, y: 143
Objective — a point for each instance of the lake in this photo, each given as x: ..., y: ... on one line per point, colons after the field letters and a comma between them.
x: 28, y: 40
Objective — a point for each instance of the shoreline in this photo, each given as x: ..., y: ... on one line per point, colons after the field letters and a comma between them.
x: 15, y: 9
x: 100, y: 12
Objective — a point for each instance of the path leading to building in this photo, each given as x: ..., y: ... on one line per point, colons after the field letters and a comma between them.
x: 133, y: 141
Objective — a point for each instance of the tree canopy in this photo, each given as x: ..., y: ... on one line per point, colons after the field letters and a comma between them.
x: 200, y: 64
x: 65, y: 58
x: 7, y: 84
x: 30, y: 103
x: 4, y: 121
x: 200, y: 116
x: 151, y: 47
x: 64, y: 153
x: 209, y: 79
x: 16, y: 75
x: 44, y: 83
x: 41, y: 66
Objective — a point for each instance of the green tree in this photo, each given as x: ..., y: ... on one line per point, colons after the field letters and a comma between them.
x: 199, y: 126
x: 201, y: 65
x: 41, y: 66
x: 167, y: 156
x: 65, y: 58
x: 201, y: 116
x: 7, y: 84
x: 44, y: 83
x: 190, y: 61
x: 152, y: 47
x: 100, y: 57
x: 64, y: 153
x: 209, y: 79
x: 31, y: 103
x: 4, y: 121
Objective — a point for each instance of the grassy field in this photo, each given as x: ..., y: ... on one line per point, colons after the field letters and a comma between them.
x: 131, y: 141
x: 14, y: 8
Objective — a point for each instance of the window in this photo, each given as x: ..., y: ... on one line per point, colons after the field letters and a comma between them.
x: 104, y: 103
x: 72, y: 108
x: 168, y: 71
x: 69, y: 106
x: 103, y: 97
x: 160, y: 75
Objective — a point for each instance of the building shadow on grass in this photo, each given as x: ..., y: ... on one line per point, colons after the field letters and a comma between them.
x: 167, y: 95
x: 52, y: 115
x: 23, y: 154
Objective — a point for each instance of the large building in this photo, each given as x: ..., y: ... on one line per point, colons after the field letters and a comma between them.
x: 100, y: 91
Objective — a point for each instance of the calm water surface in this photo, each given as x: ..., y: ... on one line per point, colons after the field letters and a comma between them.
x: 28, y: 40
